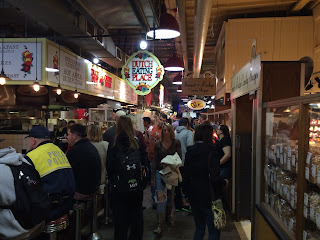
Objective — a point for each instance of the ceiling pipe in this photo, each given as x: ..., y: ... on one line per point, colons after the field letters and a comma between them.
x: 138, y: 11
x: 181, y: 6
x: 201, y: 23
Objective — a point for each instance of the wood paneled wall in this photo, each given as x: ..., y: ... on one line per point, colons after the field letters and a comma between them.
x: 278, y: 39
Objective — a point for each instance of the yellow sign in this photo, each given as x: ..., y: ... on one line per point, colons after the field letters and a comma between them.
x: 196, y: 104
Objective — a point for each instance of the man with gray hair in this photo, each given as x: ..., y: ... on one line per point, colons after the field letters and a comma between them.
x: 111, y: 132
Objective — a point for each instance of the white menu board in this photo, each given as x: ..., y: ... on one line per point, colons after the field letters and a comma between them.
x: 102, y: 82
x: 123, y: 92
x: 21, y: 60
x: 72, y: 68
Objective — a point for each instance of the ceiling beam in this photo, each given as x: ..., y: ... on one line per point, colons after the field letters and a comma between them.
x: 299, y: 5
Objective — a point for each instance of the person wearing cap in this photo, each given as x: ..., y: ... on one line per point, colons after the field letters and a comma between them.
x: 85, y: 161
x: 110, y: 132
x: 54, y: 169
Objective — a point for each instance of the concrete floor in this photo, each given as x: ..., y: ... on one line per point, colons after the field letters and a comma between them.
x: 184, y: 226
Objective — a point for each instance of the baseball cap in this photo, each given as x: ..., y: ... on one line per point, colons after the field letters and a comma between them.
x: 120, y: 113
x: 39, y: 132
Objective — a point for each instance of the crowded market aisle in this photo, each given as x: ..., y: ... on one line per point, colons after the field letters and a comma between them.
x: 184, y: 226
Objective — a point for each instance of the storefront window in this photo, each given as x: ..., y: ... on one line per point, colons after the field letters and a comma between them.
x: 312, y: 174
x: 281, y: 155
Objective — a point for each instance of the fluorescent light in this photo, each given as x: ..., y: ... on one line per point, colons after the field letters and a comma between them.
x: 177, y: 83
x: 179, y: 90
x: 52, y: 69
x: 100, y: 95
x: 92, y: 83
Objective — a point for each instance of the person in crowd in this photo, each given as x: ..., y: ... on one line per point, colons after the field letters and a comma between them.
x: 169, y: 120
x: 185, y: 137
x: 155, y: 136
x: 138, y: 133
x: 54, y: 169
x: 223, y: 145
x: 203, y: 118
x: 214, y: 135
x: 85, y: 161
x: 110, y: 132
x: 70, y: 123
x: 95, y: 137
x: 167, y: 145
x: 9, y: 226
x: 202, y: 159
x: 60, y: 134
x: 175, y: 124
x: 127, y: 207
x: 147, y: 129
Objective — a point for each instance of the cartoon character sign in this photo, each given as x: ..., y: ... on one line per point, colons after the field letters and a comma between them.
x: 56, y: 63
x: 142, y: 71
x: 27, y: 58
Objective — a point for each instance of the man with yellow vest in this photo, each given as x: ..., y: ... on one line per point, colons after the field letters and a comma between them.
x: 54, y: 169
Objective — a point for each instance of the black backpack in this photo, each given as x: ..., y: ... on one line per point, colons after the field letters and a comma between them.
x: 131, y: 174
x: 32, y: 203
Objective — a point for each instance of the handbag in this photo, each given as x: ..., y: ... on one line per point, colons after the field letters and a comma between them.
x: 219, y: 215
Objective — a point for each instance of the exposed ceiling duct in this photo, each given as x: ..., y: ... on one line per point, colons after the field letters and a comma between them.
x: 181, y: 5
x: 201, y: 23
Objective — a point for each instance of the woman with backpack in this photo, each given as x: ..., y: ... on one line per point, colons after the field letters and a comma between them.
x: 201, y: 160
x: 124, y: 164
x: 167, y: 145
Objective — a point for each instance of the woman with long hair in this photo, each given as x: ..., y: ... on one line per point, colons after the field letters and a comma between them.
x: 167, y: 145
x: 224, y: 150
x: 127, y: 207
x: 201, y: 161
x: 94, y: 135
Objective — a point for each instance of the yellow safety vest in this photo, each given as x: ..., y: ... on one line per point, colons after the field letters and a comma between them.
x: 48, y: 158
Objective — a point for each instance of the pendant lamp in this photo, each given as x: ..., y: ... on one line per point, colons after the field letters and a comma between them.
x: 174, y: 64
x: 177, y: 80
x: 168, y: 27
x: 3, y: 77
x: 179, y: 89
x: 36, y: 85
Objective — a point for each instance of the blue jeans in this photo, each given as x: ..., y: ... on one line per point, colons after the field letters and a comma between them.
x: 168, y: 194
x: 153, y: 189
x: 203, y: 217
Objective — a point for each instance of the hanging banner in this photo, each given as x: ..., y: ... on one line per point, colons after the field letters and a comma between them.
x: 247, y: 79
x: 196, y: 104
x: 142, y: 71
x: 20, y: 61
x: 199, y: 86
x: 123, y: 92
x: 100, y: 81
x: 72, y: 72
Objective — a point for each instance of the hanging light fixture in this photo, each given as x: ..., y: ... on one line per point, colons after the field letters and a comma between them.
x: 59, y: 90
x: 168, y: 27
x: 36, y: 85
x: 3, y: 77
x: 174, y: 64
x: 179, y: 89
x: 177, y: 80
x: 76, y: 94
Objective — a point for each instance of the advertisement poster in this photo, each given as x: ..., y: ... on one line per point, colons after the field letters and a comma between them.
x: 72, y: 71
x: 22, y: 60
x: 100, y: 81
x: 142, y: 71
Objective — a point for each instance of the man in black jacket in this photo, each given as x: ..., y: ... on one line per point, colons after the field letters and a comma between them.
x: 85, y: 161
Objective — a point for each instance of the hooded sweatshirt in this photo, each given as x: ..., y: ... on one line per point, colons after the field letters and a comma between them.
x: 186, y: 139
x: 9, y: 226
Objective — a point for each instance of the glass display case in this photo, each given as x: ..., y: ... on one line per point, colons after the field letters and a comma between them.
x: 281, y: 163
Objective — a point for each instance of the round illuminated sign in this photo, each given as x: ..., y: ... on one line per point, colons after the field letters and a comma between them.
x: 142, y: 71
x: 196, y: 104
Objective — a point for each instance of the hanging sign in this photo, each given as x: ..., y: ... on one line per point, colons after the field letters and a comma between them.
x: 20, y: 61
x: 196, y: 104
x: 247, y: 79
x: 100, y: 81
x: 122, y: 92
x: 72, y: 68
x: 199, y: 86
x: 161, y: 96
x: 142, y: 71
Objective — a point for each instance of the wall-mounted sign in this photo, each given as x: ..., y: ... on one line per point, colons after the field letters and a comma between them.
x: 199, y: 86
x: 72, y: 68
x: 20, y: 61
x: 123, y: 92
x: 247, y: 79
x: 142, y: 71
x: 196, y: 104
x: 100, y: 81
x: 161, y: 96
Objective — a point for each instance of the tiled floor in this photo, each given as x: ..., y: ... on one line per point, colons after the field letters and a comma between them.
x: 183, y: 230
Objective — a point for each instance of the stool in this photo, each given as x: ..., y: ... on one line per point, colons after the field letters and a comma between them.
x: 94, y: 235
x: 55, y: 226
x: 78, y: 206
x: 106, y: 219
